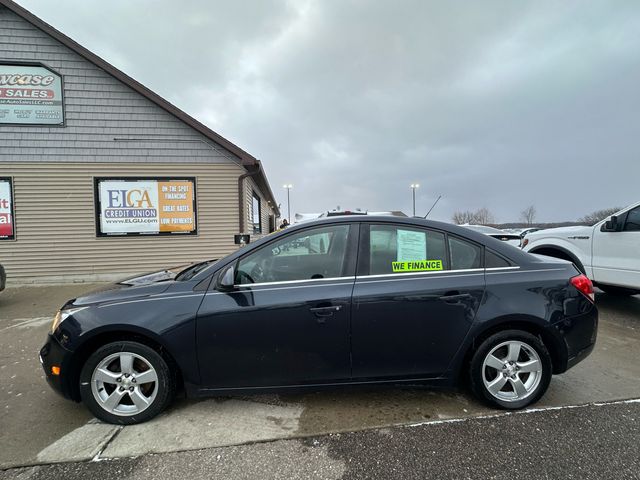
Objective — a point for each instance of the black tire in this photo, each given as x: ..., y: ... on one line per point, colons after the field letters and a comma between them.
x: 618, y: 291
x: 161, y: 390
x: 478, y: 370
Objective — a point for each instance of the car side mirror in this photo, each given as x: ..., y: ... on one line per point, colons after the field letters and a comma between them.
x: 227, y: 279
x: 610, y: 225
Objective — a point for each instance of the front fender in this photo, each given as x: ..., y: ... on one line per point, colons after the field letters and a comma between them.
x: 579, y: 256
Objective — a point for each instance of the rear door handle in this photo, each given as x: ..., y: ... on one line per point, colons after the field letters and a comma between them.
x: 455, y: 297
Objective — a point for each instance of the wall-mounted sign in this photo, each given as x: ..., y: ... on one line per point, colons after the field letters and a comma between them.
x: 241, y: 239
x: 7, y: 224
x: 30, y: 95
x: 145, y: 206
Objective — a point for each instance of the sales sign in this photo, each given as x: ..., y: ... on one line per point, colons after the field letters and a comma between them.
x: 7, y: 224
x: 145, y: 206
x: 30, y: 95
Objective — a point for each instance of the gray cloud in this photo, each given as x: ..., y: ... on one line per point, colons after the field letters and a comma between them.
x: 497, y: 104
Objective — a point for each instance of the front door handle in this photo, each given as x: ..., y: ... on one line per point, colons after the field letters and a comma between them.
x: 454, y: 298
x: 324, y: 312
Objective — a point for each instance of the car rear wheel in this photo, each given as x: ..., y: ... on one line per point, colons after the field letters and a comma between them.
x: 126, y: 383
x: 511, y: 369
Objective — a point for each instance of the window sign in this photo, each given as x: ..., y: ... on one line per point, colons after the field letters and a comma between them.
x: 412, y: 245
x: 7, y: 223
x: 137, y: 206
x: 30, y: 95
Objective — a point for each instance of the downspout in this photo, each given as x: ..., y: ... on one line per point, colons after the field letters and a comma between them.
x: 241, y: 203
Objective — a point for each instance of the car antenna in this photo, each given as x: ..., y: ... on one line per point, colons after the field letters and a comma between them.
x: 434, y: 204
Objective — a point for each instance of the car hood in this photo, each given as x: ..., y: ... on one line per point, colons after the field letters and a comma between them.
x: 561, y: 232
x: 139, y: 286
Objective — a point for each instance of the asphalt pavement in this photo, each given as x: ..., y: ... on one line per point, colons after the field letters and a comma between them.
x: 38, y: 427
x: 589, y: 442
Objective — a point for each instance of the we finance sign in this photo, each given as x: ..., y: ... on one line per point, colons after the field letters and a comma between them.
x: 7, y: 227
x: 145, y: 206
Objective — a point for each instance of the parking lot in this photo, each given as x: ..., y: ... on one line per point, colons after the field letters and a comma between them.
x: 39, y: 427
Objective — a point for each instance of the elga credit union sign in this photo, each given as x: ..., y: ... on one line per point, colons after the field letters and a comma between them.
x: 30, y: 95
x: 7, y: 225
x: 145, y: 206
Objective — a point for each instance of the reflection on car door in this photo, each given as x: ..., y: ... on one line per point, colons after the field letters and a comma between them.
x: 287, y: 322
x: 409, y: 319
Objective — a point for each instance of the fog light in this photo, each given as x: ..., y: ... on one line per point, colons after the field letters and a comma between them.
x: 55, y: 370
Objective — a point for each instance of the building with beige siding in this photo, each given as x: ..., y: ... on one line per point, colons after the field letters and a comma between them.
x: 106, y: 178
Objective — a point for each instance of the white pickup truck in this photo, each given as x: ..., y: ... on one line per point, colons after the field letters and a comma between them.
x: 608, y: 252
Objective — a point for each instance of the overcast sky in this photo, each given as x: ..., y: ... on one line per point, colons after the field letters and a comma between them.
x: 490, y: 104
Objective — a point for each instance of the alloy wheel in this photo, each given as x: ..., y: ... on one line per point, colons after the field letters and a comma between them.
x: 124, y: 384
x: 512, y: 371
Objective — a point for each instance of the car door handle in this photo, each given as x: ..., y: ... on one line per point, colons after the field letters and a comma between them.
x: 324, y: 312
x: 455, y: 297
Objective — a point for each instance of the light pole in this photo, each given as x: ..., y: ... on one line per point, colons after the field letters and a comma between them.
x: 413, y: 188
x: 288, y: 186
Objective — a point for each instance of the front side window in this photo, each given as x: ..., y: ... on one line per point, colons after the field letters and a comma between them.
x: 400, y: 249
x: 633, y: 221
x: 310, y: 254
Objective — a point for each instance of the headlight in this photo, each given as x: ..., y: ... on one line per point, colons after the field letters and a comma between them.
x: 62, y: 315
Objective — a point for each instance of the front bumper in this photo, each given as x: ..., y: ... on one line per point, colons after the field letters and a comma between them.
x: 53, y: 354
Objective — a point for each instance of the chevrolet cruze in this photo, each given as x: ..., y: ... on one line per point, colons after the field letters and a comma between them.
x: 340, y: 301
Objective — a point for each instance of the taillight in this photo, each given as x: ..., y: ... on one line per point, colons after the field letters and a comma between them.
x: 524, y: 242
x: 584, y: 286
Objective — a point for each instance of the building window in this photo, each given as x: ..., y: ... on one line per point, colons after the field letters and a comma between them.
x: 256, y: 214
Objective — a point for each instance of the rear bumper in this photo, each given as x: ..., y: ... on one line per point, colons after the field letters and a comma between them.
x: 53, y: 354
x: 579, y: 333
x: 581, y: 355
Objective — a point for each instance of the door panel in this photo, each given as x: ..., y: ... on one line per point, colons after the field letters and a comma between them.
x: 267, y: 336
x: 402, y: 327
x: 286, y: 321
x: 410, y: 324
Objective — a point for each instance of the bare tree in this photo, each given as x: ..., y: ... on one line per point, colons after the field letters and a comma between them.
x: 483, y: 216
x: 528, y: 215
x: 461, y: 217
x: 595, y: 217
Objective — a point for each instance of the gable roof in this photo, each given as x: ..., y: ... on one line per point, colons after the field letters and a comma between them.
x: 246, y: 159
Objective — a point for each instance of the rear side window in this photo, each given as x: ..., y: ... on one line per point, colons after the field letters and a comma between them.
x: 400, y: 249
x: 464, y: 255
x: 493, y: 260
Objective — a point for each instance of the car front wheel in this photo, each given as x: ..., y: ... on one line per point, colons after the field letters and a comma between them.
x: 126, y: 383
x: 511, y: 370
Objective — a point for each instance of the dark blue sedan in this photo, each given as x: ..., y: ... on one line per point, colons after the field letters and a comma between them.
x: 342, y: 301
